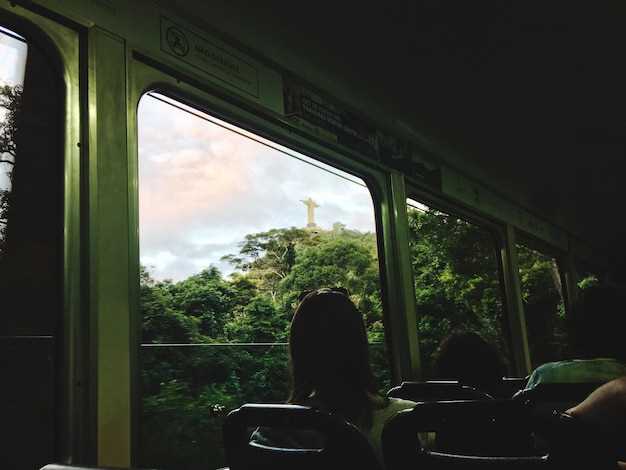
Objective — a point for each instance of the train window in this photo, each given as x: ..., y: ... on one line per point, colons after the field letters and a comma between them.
x: 544, y: 308
x: 233, y: 228
x: 31, y: 235
x: 13, y: 53
x: 457, y: 281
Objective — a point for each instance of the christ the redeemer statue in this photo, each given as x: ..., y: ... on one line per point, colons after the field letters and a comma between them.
x: 310, y: 211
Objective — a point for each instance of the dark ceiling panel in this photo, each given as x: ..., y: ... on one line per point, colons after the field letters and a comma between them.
x: 531, y: 92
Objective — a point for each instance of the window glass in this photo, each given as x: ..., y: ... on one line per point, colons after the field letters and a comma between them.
x: 544, y: 308
x: 457, y: 282
x: 13, y: 53
x: 31, y: 189
x: 31, y: 104
x: 232, y: 229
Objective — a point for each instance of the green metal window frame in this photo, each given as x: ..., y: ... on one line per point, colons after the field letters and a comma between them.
x: 386, y: 188
x: 61, y: 42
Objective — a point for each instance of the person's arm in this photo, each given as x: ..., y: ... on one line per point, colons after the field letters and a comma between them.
x: 606, y: 408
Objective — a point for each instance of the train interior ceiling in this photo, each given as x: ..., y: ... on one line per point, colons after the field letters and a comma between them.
x: 152, y: 126
x: 527, y: 96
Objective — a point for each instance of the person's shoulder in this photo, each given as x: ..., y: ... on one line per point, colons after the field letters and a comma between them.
x: 548, y: 367
x: 576, y: 370
x: 398, y: 404
x: 609, y: 367
x: 544, y: 372
x: 558, y: 364
x: 392, y: 407
x: 615, y: 362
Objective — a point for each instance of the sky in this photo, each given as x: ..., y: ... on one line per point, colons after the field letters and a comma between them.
x: 203, y: 187
x: 12, y: 59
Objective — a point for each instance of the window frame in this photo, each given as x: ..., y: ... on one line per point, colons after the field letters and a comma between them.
x: 337, y: 161
x: 59, y: 41
x: 145, y: 76
x: 565, y: 268
x: 560, y: 256
x: 497, y: 232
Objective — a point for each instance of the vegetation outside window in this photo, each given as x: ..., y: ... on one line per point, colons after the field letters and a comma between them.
x: 457, y: 282
x: 544, y: 308
x: 587, y: 277
x: 232, y: 229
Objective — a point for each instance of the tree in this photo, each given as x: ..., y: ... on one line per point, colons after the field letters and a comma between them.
x: 267, y: 257
x: 207, y: 297
x: 348, y: 261
x: 543, y: 305
x: 456, y: 280
x: 161, y: 323
x: 10, y: 106
x: 258, y: 322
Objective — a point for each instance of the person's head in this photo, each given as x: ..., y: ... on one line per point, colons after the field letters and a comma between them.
x: 599, y: 328
x: 329, y: 353
x: 468, y: 358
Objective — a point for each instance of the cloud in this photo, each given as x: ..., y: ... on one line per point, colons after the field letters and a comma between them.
x: 13, y: 55
x: 202, y: 188
x: 12, y: 65
x: 180, y: 260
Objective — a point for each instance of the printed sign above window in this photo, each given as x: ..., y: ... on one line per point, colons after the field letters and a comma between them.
x: 326, y: 120
x: 209, y: 57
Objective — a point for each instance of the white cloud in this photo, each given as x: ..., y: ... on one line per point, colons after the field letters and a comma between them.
x: 13, y: 53
x: 203, y: 188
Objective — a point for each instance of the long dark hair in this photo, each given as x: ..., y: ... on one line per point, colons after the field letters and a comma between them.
x: 330, y: 358
x: 467, y: 357
x: 600, y: 323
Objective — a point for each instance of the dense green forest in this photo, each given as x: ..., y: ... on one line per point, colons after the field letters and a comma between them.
x: 232, y: 332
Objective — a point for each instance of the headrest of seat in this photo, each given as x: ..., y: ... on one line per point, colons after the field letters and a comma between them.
x: 56, y: 466
x: 342, y: 441
x: 436, y: 391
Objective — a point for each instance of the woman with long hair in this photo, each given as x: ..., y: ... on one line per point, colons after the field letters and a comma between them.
x: 330, y: 369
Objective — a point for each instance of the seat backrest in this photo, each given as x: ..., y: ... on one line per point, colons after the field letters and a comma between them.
x: 478, y: 428
x: 343, y: 444
x: 577, y: 444
x: 57, y: 466
x: 443, y: 461
x: 436, y: 391
x: 510, y: 386
x: 572, y: 443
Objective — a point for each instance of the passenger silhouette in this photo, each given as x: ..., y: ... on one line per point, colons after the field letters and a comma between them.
x: 468, y: 358
x: 599, y: 349
x: 330, y: 369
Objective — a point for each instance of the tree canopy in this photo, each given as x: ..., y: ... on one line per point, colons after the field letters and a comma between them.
x: 235, y: 329
x: 10, y: 106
